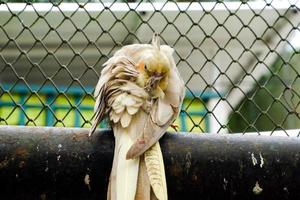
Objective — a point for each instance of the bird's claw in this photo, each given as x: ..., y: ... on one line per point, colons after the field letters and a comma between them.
x: 175, y: 127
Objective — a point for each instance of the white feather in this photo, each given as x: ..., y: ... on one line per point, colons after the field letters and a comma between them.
x: 125, y: 119
x: 119, y: 108
x: 127, y: 170
x: 164, y: 112
x: 114, y: 116
x: 118, y: 105
x: 132, y: 109
x: 128, y: 101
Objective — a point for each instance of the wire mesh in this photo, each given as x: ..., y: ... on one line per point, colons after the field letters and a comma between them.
x: 239, y: 60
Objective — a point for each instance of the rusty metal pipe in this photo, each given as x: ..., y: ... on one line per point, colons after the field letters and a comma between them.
x: 63, y: 163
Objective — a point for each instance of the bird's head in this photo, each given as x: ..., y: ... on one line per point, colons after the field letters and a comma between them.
x: 154, y: 67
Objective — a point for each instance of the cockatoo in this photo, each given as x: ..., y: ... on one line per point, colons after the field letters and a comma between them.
x: 141, y: 92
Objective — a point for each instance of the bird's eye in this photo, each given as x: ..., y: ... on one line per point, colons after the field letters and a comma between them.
x: 146, y: 69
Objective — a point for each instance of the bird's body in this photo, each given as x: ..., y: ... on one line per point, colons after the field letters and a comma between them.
x: 141, y: 91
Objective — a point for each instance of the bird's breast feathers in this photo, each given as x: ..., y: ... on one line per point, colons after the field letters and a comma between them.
x: 125, y: 106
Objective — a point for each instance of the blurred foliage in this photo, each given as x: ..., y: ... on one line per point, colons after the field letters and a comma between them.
x: 274, y: 101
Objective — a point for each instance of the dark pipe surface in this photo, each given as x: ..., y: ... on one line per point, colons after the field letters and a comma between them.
x: 63, y: 163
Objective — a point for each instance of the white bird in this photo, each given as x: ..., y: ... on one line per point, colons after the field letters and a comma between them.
x: 141, y: 92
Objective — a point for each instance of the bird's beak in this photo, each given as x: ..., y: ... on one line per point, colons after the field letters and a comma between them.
x: 153, y: 81
x: 157, y: 77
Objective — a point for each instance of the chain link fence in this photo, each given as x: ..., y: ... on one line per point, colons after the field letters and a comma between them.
x: 239, y: 59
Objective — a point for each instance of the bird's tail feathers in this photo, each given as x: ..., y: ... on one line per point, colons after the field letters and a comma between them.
x: 156, y: 171
x: 126, y: 171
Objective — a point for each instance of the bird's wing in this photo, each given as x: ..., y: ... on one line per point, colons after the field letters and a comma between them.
x: 116, y: 67
x: 99, y: 108
x: 162, y: 113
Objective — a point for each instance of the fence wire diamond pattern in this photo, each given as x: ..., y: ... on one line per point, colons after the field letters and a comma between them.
x: 239, y: 60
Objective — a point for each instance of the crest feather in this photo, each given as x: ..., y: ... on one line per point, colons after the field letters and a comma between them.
x: 156, y: 41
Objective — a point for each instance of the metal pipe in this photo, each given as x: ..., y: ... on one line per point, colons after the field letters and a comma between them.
x: 63, y: 163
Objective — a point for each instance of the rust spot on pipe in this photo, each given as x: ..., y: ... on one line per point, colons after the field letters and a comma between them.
x: 22, y: 152
x: 80, y: 136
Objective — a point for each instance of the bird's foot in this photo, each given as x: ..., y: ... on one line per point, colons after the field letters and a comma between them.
x: 175, y: 127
